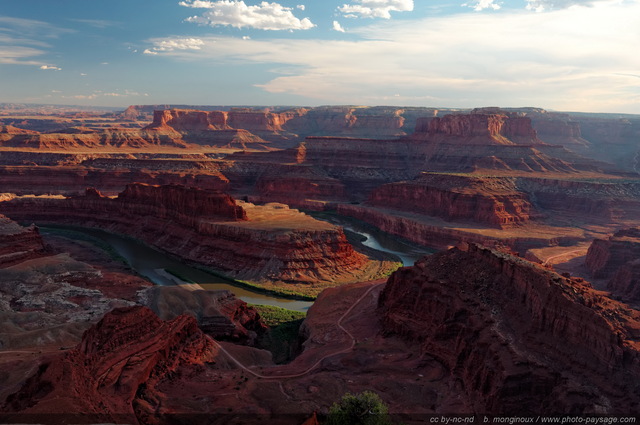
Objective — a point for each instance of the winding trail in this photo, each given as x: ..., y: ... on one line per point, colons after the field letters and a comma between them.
x: 321, y: 359
x: 561, y: 255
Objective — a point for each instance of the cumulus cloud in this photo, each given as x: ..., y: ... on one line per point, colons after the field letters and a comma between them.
x: 175, y: 44
x: 337, y: 26
x: 50, y: 68
x: 375, y: 8
x: 265, y: 16
x: 480, y: 5
x: 301, y: 6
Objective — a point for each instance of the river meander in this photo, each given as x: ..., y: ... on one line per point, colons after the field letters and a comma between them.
x: 161, y: 268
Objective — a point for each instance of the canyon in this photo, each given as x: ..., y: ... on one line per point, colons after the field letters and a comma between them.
x: 486, y: 326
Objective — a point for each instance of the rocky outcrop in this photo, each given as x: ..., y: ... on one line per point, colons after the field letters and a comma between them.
x: 18, y: 243
x: 493, y: 201
x: 115, y: 368
x: 519, y: 339
x: 617, y: 259
x: 270, y: 242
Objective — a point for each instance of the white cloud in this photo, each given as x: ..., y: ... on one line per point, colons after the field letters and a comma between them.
x: 514, y: 58
x: 50, y: 68
x: 175, y: 44
x: 375, y: 8
x: 301, y: 7
x: 265, y: 16
x: 337, y: 26
x: 479, y: 5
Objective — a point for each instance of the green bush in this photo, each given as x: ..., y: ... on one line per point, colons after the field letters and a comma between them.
x: 366, y: 408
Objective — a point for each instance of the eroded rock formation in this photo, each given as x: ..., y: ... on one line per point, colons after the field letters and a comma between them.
x: 115, y: 368
x: 519, y: 339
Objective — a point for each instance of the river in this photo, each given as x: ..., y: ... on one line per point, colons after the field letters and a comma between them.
x: 157, y: 266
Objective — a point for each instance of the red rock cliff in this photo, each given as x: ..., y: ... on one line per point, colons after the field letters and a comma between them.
x: 520, y: 339
x: 184, y: 204
x: 189, y: 120
x: 115, y: 368
x: 479, y: 128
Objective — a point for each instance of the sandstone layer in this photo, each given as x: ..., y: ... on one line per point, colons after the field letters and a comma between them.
x: 519, y: 339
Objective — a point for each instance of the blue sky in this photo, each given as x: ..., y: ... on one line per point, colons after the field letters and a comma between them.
x: 576, y: 55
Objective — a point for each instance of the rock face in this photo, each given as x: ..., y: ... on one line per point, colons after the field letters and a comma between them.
x: 479, y: 128
x: 493, y: 201
x: 250, y: 242
x: 115, y: 368
x: 520, y: 339
x: 185, y: 205
x: 618, y: 260
x: 18, y: 243
x: 73, y: 180
x: 605, y: 256
x: 212, y: 128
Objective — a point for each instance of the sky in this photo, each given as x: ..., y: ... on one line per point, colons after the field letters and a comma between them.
x: 567, y: 55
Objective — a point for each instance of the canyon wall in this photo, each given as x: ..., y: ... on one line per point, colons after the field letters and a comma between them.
x: 617, y: 259
x: 478, y: 128
x: 605, y: 200
x: 109, y: 179
x: 520, y: 339
x: 437, y: 233
x: 491, y: 201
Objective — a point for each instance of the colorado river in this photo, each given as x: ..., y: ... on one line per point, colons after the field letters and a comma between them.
x: 151, y: 264
x: 406, y: 251
x: 158, y: 267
